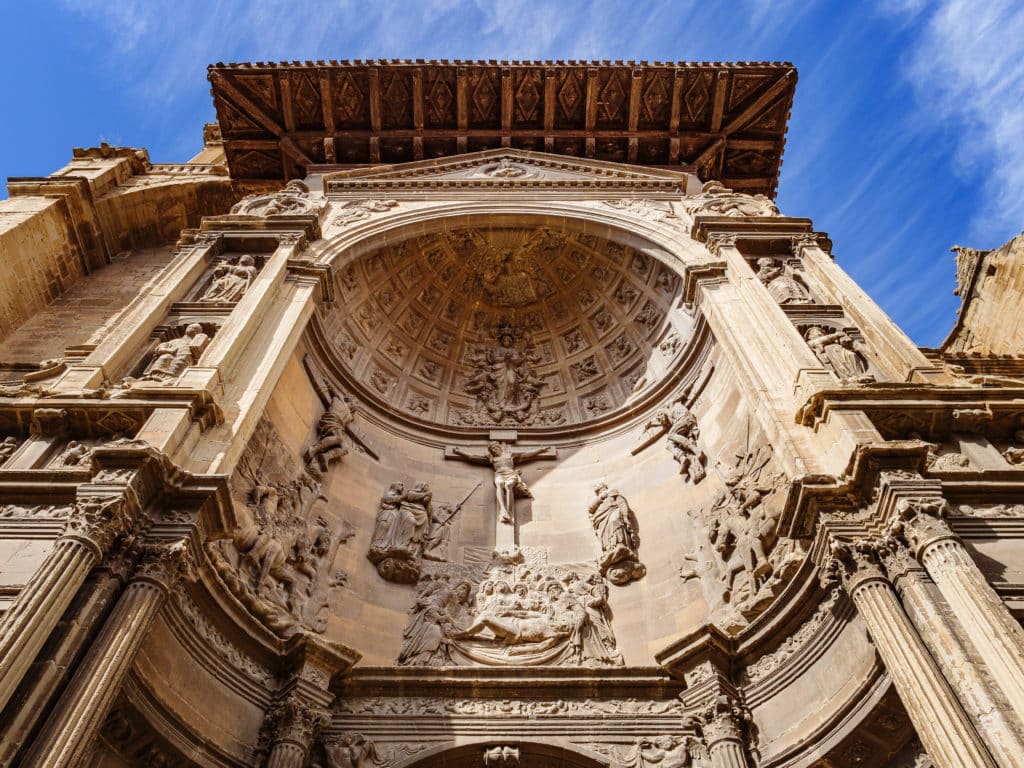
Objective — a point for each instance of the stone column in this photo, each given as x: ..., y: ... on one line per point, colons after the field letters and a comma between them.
x: 988, y: 711
x: 940, y: 722
x: 291, y: 725
x: 93, y: 525
x: 72, y: 727
x: 982, y: 615
x: 722, y: 726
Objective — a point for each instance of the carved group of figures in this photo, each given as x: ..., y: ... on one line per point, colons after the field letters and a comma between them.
x: 744, y: 560
x: 511, y: 615
x: 410, y: 528
x: 504, y: 385
x: 682, y: 438
x: 279, y: 560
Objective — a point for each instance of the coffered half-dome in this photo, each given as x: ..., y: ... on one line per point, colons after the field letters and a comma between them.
x: 513, y: 326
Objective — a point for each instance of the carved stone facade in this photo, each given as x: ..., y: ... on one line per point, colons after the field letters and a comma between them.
x: 492, y: 414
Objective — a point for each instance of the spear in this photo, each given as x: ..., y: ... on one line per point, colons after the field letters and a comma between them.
x: 458, y: 506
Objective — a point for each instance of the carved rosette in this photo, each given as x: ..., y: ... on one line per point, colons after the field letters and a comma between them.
x: 97, y: 522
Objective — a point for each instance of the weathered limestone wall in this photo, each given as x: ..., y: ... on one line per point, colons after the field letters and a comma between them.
x: 991, y: 286
x: 79, y: 314
x: 40, y: 258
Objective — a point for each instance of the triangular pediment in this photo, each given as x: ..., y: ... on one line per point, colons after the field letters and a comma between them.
x: 503, y: 169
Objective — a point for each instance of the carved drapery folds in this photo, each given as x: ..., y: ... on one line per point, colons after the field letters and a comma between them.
x: 715, y: 199
x: 169, y: 358
x: 294, y: 200
x: 7, y: 448
x: 504, y: 383
x: 230, y: 281
x: 837, y: 350
x: 781, y: 282
x: 279, y: 561
x: 409, y: 527
x: 682, y: 438
x: 510, y: 615
x: 616, y: 529
x: 743, y: 560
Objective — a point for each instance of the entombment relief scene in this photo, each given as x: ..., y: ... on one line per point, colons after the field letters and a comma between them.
x: 462, y: 414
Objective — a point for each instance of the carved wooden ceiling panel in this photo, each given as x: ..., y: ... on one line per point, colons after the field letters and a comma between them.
x: 504, y: 326
x: 725, y: 121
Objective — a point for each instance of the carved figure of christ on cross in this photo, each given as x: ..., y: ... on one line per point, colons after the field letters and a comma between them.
x: 508, y: 483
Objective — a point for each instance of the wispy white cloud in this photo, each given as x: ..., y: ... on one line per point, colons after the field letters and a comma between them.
x: 966, y: 66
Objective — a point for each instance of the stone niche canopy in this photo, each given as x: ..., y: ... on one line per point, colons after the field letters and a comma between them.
x: 511, y: 326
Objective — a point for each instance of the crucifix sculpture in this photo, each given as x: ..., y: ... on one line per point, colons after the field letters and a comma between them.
x: 508, y: 483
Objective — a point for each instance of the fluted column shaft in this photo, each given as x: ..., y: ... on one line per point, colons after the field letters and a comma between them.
x: 728, y: 754
x: 983, y: 616
x: 286, y: 755
x: 89, y: 531
x: 37, y: 609
x: 1001, y: 731
x: 72, y: 727
x: 942, y: 725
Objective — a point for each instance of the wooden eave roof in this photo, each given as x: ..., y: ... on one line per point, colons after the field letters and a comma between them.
x: 721, y: 121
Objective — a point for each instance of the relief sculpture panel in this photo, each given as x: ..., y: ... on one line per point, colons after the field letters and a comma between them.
x: 524, y: 613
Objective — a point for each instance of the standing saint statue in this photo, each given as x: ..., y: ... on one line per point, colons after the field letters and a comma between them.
x: 615, y: 527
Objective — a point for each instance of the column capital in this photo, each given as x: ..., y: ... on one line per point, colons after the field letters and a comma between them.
x: 295, y: 719
x: 718, y: 240
x: 855, y: 564
x: 96, y: 521
x: 723, y: 719
x: 164, y: 564
x: 920, y: 523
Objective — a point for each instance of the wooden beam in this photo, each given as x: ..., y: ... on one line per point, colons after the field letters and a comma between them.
x: 757, y: 107
x: 374, y: 149
x: 718, y: 100
x: 462, y: 99
x: 417, y: 99
x: 417, y: 147
x: 677, y: 100
x: 636, y: 86
x: 327, y: 100
x: 245, y: 105
x: 550, y: 101
x: 673, y: 150
x: 590, y: 120
x: 285, y: 82
x: 374, y: 75
x: 507, y: 105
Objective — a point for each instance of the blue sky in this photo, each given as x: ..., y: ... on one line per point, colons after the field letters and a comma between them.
x: 905, y: 137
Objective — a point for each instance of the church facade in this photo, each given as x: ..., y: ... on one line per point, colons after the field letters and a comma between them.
x: 446, y: 414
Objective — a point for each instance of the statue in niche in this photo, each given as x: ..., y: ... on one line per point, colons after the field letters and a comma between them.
x: 782, y: 287
x: 74, y: 455
x: 334, y: 424
x: 679, y: 425
x: 836, y: 351
x: 294, y: 200
x: 715, y: 199
x: 504, y: 384
x: 230, y: 281
x: 510, y: 613
x: 279, y: 560
x: 616, y: 529
x: 170, y: 358
x: 508, y: 483
x: 7, y: 448
x: 409, y: 527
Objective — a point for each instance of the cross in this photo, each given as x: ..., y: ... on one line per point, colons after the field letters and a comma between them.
x: 508, y: 483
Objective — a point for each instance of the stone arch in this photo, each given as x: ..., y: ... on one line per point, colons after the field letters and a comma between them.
x: 555, y: 753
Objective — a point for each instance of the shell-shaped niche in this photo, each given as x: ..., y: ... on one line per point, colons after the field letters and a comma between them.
x: 504, y: 326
